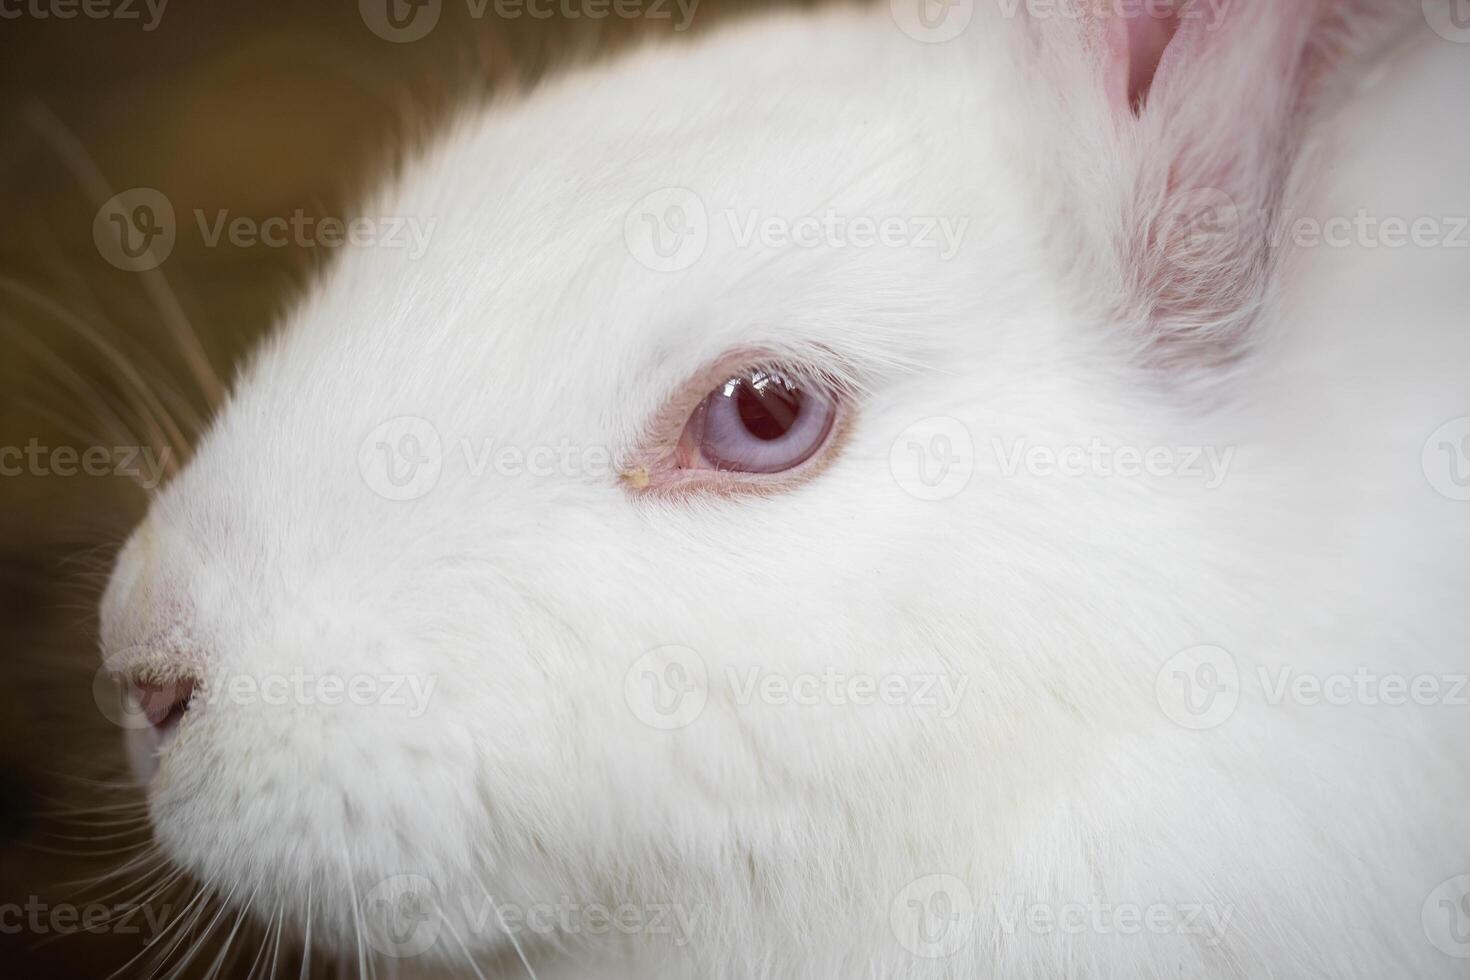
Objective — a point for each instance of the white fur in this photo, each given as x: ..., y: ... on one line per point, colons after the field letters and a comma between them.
x: 792, y: 830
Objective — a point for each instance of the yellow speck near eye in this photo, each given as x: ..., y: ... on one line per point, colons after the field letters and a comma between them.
x: 637, y: 477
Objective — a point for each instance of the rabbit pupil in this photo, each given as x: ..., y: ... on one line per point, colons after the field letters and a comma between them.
x: 768, y: 407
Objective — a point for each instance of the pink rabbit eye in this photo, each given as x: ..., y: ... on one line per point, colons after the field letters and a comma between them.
x: 764, y: 428
x: 761, y: 422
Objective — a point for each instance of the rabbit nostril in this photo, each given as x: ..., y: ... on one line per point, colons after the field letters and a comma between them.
x: 164, y: 704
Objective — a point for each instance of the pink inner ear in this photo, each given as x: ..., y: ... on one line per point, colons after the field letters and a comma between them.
x: 1138, y: 40
x: 1148, y: 39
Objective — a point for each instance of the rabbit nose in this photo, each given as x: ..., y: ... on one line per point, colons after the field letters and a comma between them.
x: 163, y: 704
x: 148, y: 631
x: 157, y: 707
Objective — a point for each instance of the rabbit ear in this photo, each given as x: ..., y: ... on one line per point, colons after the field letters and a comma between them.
x: 1133, y: 48
x: 1205, y: 103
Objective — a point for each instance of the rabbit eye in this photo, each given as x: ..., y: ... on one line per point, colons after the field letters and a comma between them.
x: 759, y: 422
x: 763, y: 428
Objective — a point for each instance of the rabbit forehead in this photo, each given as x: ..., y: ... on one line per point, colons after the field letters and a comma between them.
x: 829, y: 222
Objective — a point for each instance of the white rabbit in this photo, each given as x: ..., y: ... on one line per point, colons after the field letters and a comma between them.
x: 1055, y: 631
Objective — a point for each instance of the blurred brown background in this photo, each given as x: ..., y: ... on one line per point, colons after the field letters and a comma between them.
x: 261, y: 108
